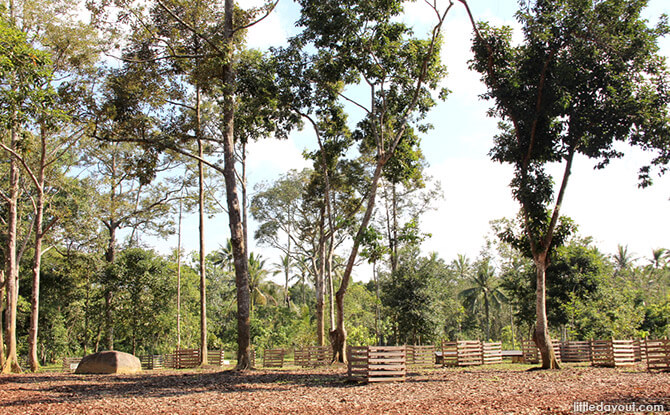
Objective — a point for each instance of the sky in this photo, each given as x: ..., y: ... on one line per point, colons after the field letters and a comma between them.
x: 607, y: 205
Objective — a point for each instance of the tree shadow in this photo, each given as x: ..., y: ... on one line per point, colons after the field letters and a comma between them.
x: 62, y: 388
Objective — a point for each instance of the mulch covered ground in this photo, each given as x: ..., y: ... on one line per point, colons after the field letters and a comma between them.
x: 504, y: 389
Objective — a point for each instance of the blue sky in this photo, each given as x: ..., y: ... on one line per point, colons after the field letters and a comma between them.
x: 606, y: 204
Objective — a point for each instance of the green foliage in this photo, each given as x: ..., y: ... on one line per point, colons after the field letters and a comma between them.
x: 411, y: 296
x: 656, y: 322
x: 586, y: 76
x: 25, y: 73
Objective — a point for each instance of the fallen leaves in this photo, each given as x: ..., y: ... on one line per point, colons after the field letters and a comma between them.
x: 324, y: 391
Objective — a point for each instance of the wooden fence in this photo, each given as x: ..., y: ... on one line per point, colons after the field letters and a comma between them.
x: 462, y: 353
x: 377, y: 363
x: 640, y: 349
x: 531, y: 354
x: 152, y: 362
x: 575, y: 351
x: 273, y: 357
x: 186, y: 358
x: 420, y: 356
x: 492, y: 353
x: 612, y: 353
x: 658, y: 354
x: 301, y: 357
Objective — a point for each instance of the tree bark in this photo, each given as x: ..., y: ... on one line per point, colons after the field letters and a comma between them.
x: 35, y: 301
x: 234, y: 211
x: 3, y: 320
x: 11, y: 266
x: 203, y: 279
x: 110, y: 257
x: 319, y: 283
x: 541, y: 334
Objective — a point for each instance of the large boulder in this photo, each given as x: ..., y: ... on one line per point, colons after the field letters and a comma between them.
x: 109, y: 362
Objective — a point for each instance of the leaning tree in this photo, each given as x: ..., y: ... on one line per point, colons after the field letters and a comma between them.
x: 586, y: 76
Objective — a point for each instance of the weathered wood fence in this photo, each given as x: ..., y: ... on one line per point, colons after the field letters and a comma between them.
x: 377, y: 363
x: 273, y: 357
x: 312, y: 356
x: 420, y: 356
x: 658, y: 354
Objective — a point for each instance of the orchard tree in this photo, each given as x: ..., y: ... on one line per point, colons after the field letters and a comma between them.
x: 586, y: 76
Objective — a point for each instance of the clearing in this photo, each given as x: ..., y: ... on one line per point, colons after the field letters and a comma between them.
x: 498, y: 389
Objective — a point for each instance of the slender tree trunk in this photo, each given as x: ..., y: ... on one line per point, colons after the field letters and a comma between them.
x: 110, y: 257
x: 319, y: 285
x: 179, y: 276
x: 394, y: 236
x: 39, y: 236
x: 3, y: 320
x: 329, y: 274
x: 11, y: 270
x: 541, y: 334
x: 245, y: 203
x: 201, y: 218
x: 375, y: 276
x: 339, y: 335
x: 35, y: 301
x: 234, y: 211
x: 488, y: 317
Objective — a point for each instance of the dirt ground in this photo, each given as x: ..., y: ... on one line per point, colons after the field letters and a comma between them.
x: 500, y: 389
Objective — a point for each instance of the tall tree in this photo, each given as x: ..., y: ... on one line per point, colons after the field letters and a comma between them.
x: 25, y: 97
x: 586, y: 76
x: 362, y: 41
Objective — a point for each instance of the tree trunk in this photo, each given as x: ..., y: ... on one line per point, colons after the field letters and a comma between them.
x: 203, y: 276
x: 541, y: 334
x: 2, y: 318
x: 179, y: 276
x: 39, y: 236
x: 11, y: 265
x: 110, y: 257
x: 339, y: 335
x: 35, y: 301
x: 234, y: 211
x: 319, y: 284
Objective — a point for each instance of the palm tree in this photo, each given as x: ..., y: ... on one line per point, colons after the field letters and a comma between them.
x: 462, y: 266
x: 484, y: 291
x: 623, y: 259
x: 659, y: 257
x: 223, y: 258
x: 261, y: 290
x: 284, y: 267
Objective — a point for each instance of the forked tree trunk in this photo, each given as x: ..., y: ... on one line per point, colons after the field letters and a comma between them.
x: 541, y: 334
x: 338, y: 337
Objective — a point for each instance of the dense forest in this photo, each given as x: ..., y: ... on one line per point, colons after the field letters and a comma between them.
x: 121, y: 118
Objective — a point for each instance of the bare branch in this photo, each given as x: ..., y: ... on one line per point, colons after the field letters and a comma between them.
x: 267, y: 13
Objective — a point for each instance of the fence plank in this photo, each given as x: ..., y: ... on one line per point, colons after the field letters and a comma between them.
x: 492, y: 353
x: 575, y: 351
x: 186, y: 358
x: 658, y: 354
x: 421, y: 356
x: 273, y: 357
